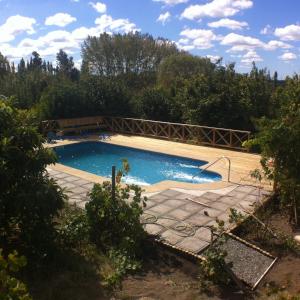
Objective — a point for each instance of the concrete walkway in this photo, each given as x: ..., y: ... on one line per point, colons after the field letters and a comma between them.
x: 178, y: 217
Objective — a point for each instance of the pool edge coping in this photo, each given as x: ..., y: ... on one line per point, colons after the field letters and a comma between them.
x: 159, y: 186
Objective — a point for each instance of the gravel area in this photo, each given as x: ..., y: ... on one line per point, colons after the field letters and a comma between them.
x: 248, y: 264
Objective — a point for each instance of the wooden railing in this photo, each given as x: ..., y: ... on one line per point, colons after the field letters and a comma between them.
x: 217, y: 137
x: 203, y: 135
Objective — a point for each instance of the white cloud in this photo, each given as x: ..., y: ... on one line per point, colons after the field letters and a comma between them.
x: 108, y: 24
x: 250, y: 57
x: 288, y: 56
x: 70, y: 41
x: 99, y: 7
x: 163, y: 18
x: 15, y: 25
x: 60, y: 19
x: 171, y: 2
x: 288, y: 33
x: 196, y: 38
x: 216, y: 9
x: 273, y: 45
x: 213, y: 58
x: 228, y: 23
x: 233, y: 39
x: 266, y: 30
x: 240, y: 43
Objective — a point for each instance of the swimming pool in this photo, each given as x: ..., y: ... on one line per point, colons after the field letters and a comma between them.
x: 146, y: 167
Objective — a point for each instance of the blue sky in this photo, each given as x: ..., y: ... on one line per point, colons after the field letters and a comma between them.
x: 241, y: 31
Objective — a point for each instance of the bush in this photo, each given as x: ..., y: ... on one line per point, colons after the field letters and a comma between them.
x: 10, y: 287
x: 29, y: 198
x: 73, y: 227
x: 115, y: 224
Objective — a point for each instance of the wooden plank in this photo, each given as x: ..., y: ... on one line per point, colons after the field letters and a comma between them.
x: 213, y: 136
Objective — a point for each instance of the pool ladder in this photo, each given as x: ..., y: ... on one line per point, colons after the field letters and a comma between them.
x: 213, y: 163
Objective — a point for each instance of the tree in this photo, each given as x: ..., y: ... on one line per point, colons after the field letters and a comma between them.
x: 279, y: 140
x: 105, y: 96
x: 113, y: 55
x: 62, y: 100
x: 182, y: 66
x: 29, y: 198
x: 65, y: 66
x: 154, y: 104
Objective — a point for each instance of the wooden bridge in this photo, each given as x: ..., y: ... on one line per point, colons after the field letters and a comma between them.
x: 203, y: 135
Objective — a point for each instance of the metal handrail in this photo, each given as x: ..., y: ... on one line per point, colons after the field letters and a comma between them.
x: 210, y: 165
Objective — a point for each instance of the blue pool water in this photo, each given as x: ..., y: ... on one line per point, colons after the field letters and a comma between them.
x: 146, y: 167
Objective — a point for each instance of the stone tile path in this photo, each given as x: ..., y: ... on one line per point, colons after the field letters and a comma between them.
x: 177, y: 217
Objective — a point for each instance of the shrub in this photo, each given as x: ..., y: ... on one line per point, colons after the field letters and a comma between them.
x: 73, y: 227
x: 213, y: 266
x: 116, y: 223
x: 10, y: 287
x: 29, y: 198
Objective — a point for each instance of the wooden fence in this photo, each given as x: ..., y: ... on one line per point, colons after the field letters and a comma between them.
x: 203, y: 135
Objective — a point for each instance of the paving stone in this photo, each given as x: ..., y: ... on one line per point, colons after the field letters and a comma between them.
x: 204, y: 234
x: 224, y: 217
x: 202, y: 200
x: 192, y: 244
x: 71, y: 179
x: 171, y: 237
x: 89, y: 185
x: 150, y: 203
x: 62, y: 175
x: 198, y: 219
x: 192, y: 207
x: 210, y: 196
x: 174, y: 202
x: 183, y: 196
x: 52, y: 172
x: 252, y: 198
x: 164, y: 221
x: 219, y: 205
x: 161, y: 208
x: 228, y: 200
x: 68, y: 185
x: 212, y: 223
x: 153, y: 229
x: 237, y: 195
x: 81, y: 181
x: 245, y: 189
x: 170, y: 193
x: 247, y: 205
x: 79, y: 190
x: 158, y: 198
x: 60, y: 181
x: 212, y: 212
x: 178, y: 213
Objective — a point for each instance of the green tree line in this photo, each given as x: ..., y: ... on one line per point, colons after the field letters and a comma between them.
x: 136, y: 75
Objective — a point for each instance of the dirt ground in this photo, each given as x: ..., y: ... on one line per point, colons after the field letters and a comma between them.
x: 169, y: 276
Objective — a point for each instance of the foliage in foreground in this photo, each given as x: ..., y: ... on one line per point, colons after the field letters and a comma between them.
x: 114, y: 225
x: 10, y: 287
x: 213, y: 267
x: 279, y: 140
x: 29, y: 198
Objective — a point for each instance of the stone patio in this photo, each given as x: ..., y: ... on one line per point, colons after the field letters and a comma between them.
x: 178, y: 217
